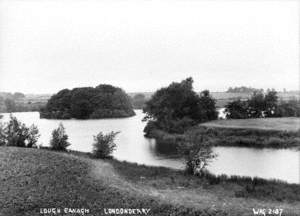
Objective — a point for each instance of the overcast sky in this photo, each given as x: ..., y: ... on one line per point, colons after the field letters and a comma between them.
x: 142, y: 45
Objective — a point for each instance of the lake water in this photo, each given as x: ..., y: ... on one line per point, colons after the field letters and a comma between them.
x: 283, y: 164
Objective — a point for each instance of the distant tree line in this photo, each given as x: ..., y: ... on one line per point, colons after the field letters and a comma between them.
x: 262, y: 104
x: 17, y: 103
x: 8, y: 101
x: 14, y: 96
x: 243, y: 89
x: 103, y: 101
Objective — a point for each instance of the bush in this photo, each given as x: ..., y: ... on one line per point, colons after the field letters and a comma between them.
x: 16, y: 133
x: 104, y: 145
x: 197, y: 152
x: 59, y: 140
x: 2, y: 134
x: 33, y: 135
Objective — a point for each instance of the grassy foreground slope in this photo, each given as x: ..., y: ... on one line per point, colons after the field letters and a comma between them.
x: 31, y: 179
x: 280, y: 124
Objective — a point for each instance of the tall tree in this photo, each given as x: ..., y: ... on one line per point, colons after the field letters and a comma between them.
x: 257, y: 105
x: 178, y: 106
x: 271, y: 100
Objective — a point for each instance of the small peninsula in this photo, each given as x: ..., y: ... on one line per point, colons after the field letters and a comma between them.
x: 103, y: 101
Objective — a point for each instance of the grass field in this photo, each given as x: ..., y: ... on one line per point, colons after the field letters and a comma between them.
x: 260, y: 132
x: 257, y: 133
x: 280, y: 124
x: 31, y: 179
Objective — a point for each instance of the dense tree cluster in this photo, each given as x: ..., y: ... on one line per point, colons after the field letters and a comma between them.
x: 104, y: 101
x: 262, y: 105
x: 177, y: 107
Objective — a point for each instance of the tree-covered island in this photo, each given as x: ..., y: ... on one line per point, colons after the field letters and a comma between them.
x: 103, y: 101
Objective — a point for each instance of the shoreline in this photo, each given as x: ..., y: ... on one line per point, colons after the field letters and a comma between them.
x: 216, y: 177
x: 58, y: 179
x: 233, y: 137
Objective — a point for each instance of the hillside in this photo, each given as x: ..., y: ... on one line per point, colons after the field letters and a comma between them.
x: 46, y: 179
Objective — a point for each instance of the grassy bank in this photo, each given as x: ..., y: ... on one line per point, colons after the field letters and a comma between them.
x: 268, y: 132
x: 165, y: 178
x: 290, y: 124
x: 32, y: 179
x: 257, y: 138
x: 258, y: 133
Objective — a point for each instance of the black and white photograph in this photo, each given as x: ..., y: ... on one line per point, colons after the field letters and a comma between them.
x: 150, y: 107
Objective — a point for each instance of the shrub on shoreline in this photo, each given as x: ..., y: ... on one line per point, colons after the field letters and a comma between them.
x: 16, y: 133
x: 104, y: 145
x: 59, y: 139
x: 197, y: 153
